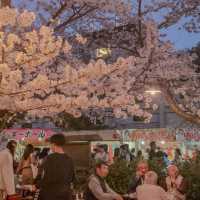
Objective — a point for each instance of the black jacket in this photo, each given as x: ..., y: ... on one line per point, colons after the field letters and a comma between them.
x: 136, y: 181
x: 56, y: 176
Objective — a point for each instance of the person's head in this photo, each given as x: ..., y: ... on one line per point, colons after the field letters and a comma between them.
x: 29, y: 149
x: 139, y: 154
x: 151, y: 178
x: 116, y: 152
x: 142, y: 167
x: 11, y: 145
x: 153, y: 145
x: 102, y: 169
x: 158, y: 149
x: 178, y: 152
x: 133, y: 150
x: 172, y: 170
x: 57, y: 142
x: 126, y: 147
x: 100, y: 148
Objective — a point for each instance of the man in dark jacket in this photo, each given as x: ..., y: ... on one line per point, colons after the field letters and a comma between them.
x: 142, y: 169
x: 97, y: 188
x: 57, y: 173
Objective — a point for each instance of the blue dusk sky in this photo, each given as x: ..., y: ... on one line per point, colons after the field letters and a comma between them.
x: 179, y: 37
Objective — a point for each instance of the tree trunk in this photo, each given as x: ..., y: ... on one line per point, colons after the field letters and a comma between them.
x: 194, y: 119
x: 5, y: 3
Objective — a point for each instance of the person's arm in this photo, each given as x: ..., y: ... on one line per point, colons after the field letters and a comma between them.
x: 163, y: 194
x: 183, y: 187
x: 38, y: 178
x: 181, y: 191
x: 8, y: 174
x: 133, y: 184
x: 111, y: 191
x: 19, y: 168
x: 179, y: 195
x: 97, y: 191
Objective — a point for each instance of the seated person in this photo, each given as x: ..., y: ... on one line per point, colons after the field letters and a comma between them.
x: 142, y: 169
x: 150, y: 190
x: 175, y: 183
x: 97, y: 188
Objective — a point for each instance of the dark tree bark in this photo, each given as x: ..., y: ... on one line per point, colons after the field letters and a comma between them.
x: 5, y: 3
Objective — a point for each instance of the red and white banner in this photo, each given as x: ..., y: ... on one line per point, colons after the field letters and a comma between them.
x: 27, y: 133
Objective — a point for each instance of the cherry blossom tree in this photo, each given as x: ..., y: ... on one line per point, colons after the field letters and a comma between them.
x: 35, y: 78
x: 172, y: 11
x: 43, y: 71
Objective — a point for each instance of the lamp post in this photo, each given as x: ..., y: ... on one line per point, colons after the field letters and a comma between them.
x: 153, y: 92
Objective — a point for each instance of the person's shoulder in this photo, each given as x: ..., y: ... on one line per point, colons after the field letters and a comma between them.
x: 156, y: 188
x: 93, y: 179
x: 50, y: 157
x: 5, y: 152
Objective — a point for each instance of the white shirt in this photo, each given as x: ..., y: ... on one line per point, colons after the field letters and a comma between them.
x: 151, y: 192
x: 6, y: 172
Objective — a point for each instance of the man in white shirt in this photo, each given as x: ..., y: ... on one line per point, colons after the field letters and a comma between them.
x: 7, y: 186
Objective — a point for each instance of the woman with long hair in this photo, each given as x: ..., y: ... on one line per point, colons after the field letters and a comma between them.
x: 25, y: 165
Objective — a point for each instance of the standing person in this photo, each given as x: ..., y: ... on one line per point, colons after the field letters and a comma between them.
x: 133, y: 154
x: 150, y: 190
x: 175, y: 184
x: 43, y: 155
x: 42, y: 158
x: 116, y: 154
x: 146, y: 154
x: 178, y: 156
x: 139, y: 156
x: 58, y: 172
x: 97, y: 188
x: 142, y: 169
x: 152, y: 152
x: 25, y: 165
x: 101, y: 153
x: 125, y: 153
x: 7, y: 185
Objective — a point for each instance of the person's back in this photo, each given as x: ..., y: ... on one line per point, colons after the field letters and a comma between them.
x: 150, y: 192
x: 58, y: 172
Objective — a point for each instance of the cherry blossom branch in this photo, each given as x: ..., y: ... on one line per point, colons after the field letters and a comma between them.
x: 140, y: 22
x: 173, y: 105
x: 74, y: 17
x: 5, y: 3
x: 57, y: 13
x: 41, y: 107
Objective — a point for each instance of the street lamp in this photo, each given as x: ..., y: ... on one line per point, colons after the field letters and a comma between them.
x: 152, y: 91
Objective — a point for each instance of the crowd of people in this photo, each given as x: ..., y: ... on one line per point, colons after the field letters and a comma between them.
x: 51, y: 173
x: 124, y: 153
x: 144, y: 185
